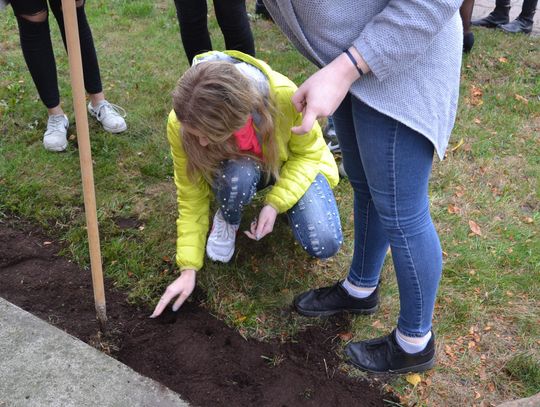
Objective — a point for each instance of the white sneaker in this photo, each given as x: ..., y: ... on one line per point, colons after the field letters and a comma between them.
x: 220, y: 244
x: 109, y: 115
x: 55, y: 137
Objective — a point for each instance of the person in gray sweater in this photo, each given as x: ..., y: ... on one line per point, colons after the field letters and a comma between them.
x: 389, y: 74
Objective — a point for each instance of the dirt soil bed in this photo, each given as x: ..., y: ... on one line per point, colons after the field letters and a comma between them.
x: 191, y: 351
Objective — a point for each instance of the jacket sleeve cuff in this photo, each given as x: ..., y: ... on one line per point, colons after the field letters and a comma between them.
x: 373, y: 60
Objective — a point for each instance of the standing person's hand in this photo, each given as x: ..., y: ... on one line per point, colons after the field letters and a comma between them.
x: 264, y: 224
x: 182, y: 288
x: 321, y: 94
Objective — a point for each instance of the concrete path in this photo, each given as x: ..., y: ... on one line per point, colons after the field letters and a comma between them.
x: 483, y: 7
x: 42, y: 366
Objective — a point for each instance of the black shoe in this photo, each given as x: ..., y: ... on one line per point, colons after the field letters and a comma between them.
x: 468, y: 42
x: 333, y: 300
x: 384, y: 355
x: 493, y: 20
x: 519, y: 25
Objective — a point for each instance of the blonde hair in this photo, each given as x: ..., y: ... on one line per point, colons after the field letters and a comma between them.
x: 212, y: 100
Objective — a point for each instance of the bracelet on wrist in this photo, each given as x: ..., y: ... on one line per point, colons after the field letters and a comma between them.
x: 354, y: 61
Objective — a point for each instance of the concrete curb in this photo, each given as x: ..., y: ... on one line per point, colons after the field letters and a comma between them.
x: 42, y: 366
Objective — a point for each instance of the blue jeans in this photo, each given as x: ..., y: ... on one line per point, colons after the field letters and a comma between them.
x: 388, y: 165
x: 314, y: 219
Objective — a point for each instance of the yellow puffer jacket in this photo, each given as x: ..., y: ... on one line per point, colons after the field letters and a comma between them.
x: 302, y: 158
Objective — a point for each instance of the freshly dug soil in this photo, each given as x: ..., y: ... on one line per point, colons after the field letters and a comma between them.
x: 191, y: 352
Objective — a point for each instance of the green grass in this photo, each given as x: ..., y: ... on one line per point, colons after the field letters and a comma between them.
x: 487, y: 313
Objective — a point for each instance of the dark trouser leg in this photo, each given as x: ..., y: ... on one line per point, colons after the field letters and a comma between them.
x: 38, y: 53
x: 234, y: 23
x: 92, y: 78
x: 192, y: 18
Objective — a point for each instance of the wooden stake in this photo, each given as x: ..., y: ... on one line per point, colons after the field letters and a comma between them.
x: 85, y: 155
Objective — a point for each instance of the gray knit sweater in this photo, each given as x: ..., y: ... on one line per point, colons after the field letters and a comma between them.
x: 413, y: 48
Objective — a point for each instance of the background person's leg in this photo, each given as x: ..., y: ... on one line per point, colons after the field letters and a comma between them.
x: 524, y: 22
x: 37, y: 49
x: 193, y: 21
x: 465, y: 11
x: 499, y: 15
x: 92, y: 78
x: 234, y: 23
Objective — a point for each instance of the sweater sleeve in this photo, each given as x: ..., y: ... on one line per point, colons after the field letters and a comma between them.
x: 193, y: 205
x: 402, y: 32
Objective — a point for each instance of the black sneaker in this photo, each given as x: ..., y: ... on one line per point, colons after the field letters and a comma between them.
x: 333, y: 300
x: 384, y: 355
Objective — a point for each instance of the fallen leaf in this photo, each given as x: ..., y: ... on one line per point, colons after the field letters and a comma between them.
x: 454, y: 209
x: 377, y: 324
x: 521, y: 99
x: 503, y: 60
x: 345, y: 336
x: 413, y: 378
x: 458, y: 145
x: 46, y: 243
x: 528, y: 220
x: 476, y: 91
x: 475, y: 228
x: 477, y: 120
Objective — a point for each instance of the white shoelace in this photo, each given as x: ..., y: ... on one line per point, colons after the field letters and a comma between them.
x: 56, y: 123
x: 222, y: 229
x: 105, y: 107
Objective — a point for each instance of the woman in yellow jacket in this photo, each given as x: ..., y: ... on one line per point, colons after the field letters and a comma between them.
x: 230, y: 136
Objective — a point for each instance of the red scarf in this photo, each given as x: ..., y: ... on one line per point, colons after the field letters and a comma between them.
x: 246, y: 139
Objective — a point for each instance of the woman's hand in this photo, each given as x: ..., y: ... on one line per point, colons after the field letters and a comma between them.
x: 322, y: 93
x: 264, y: 224
x: 182, y: 287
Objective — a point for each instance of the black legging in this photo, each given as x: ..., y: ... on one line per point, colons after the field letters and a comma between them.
x: 38, y: 53
x: 232, y: 19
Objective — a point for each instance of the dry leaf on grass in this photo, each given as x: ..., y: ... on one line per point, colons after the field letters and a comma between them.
x: 458, y: 145
x: 377, y: 324
x: 475, y: 229
x: 413, y: 378
x: 345, y: 336
x: 521, y: 99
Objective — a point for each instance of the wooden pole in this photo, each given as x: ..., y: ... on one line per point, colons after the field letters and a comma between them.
x: 85, y: 154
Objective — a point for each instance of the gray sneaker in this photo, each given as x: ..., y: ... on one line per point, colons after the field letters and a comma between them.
x: 109, y: 115
x: 55, y: 137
